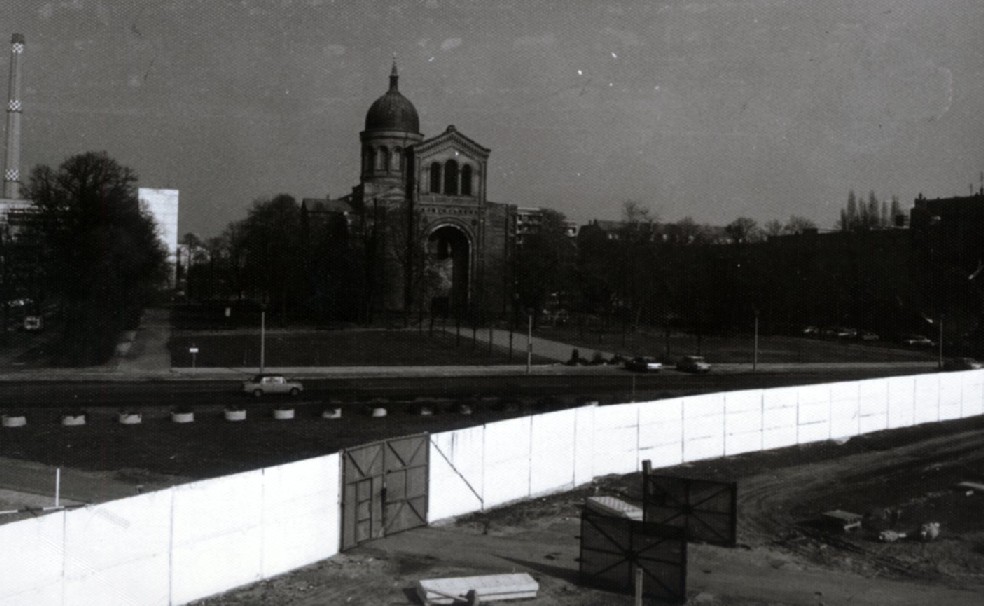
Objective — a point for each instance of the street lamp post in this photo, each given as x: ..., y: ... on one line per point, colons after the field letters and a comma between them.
x: 262, y: 340
x: 755, y: 350
x: 529, y: 343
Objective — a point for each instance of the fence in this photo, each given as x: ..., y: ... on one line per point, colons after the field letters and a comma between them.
x: 188, y: 542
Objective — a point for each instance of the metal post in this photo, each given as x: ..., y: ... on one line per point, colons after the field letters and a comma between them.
x: 57, y: 486
x: 529, y: 344
x: 939, y: 361
x: 637, y: 572
x: 262, y: 341
x: 755, y: 355
x: 511, y: 329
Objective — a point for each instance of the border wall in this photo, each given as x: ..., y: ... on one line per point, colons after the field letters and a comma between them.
x: 188, y: 542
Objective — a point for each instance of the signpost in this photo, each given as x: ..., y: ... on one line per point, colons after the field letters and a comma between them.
x: 193, y: 350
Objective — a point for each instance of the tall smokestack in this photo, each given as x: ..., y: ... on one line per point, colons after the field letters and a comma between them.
x: 11, y: 172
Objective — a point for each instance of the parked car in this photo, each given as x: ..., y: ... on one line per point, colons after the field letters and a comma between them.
x: 693, y: 364
x: 644, y: 364
x: 32, y: 323
x: 962, y: 364
x: 811, y: 331
x: 869, y: 336
x: 917, y: 341
x: 261, y: 385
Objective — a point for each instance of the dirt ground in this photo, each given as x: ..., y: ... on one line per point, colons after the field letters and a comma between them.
x: 783, y: 557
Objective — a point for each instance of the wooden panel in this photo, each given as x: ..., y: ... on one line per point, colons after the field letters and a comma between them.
x: 705, y: 510
x: 612, y: 548
x: 491, y: 588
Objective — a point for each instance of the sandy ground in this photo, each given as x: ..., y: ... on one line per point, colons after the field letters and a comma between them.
x: 783, y: 557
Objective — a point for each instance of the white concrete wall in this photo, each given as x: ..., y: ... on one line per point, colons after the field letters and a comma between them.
x: 742, y: 422
x: 703, y: 427
x: 119, y: 552
x: 552, y: 438
x: 300, y: 514
x: 660, y: 432
x: 177, y: 545
x: 457, y: 472
x: 616, y: 439
x: 32, y: 561
x: 191, y: 541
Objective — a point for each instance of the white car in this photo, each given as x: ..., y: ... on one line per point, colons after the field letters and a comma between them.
x: 695, y: 364
x: 643, y: 364
x: 917, y: 341
x: 261, y: 385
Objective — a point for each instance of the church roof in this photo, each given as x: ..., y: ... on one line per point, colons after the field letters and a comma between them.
x: 393, y: 111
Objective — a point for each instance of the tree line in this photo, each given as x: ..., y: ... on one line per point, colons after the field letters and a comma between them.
x: 96, y: 254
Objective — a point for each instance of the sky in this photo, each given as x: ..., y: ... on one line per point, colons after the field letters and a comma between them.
x: 704, y: 109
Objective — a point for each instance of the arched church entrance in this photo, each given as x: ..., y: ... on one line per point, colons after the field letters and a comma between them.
x: 448, y: 258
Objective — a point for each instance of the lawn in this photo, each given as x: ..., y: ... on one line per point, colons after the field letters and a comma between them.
x: 731, y: 349
x: 350, y: 347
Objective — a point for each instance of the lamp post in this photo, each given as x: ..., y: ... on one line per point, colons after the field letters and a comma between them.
x: 262, y: 340
x: 755, y: 347
x: 529, y: 343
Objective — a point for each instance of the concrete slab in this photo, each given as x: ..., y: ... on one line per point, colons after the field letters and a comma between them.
x: 493, y: 587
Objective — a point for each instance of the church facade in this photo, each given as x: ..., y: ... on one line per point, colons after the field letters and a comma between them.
x: 435, y: 241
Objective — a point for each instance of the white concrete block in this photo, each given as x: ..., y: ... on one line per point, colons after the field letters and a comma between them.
x: 901, y: 401
x: 552, y: 452
x: 972, y: 398
x: 507, y: 461
x: 927, y: 408
x: 217, y: 541
x: 616, y: 442
x: 300, y: 514
x: 844, y: 409
x: 951, y: 395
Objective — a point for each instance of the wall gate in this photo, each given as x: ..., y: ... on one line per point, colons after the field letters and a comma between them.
x: 384, y: 488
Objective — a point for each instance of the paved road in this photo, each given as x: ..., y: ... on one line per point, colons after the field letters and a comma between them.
x: 342, y: 385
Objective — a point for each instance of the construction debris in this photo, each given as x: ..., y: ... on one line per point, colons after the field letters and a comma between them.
x: 971, y: 487
x: 842, y: 521
x: 890, y: 536
x: 929, y: 531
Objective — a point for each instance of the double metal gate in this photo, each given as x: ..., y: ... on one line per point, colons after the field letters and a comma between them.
x: 384, y: 488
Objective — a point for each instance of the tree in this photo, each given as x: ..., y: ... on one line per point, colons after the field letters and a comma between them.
x: 544, y: 263
x: 798, y: 225
x: 269, y: 240
x: 744, y: 231
x: 101, y: 250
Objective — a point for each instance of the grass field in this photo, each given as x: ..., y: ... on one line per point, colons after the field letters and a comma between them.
x: 351, y: 347
x: 732, y: 349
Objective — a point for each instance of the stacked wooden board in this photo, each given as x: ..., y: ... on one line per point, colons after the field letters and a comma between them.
x: 492, y: 587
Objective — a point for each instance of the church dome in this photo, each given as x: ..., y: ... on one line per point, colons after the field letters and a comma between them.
x: 393, y: 111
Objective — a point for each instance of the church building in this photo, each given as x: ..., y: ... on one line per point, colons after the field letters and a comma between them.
x: 436, y: 243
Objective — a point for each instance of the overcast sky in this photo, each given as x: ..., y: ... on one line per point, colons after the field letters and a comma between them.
x: 709, y: 109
